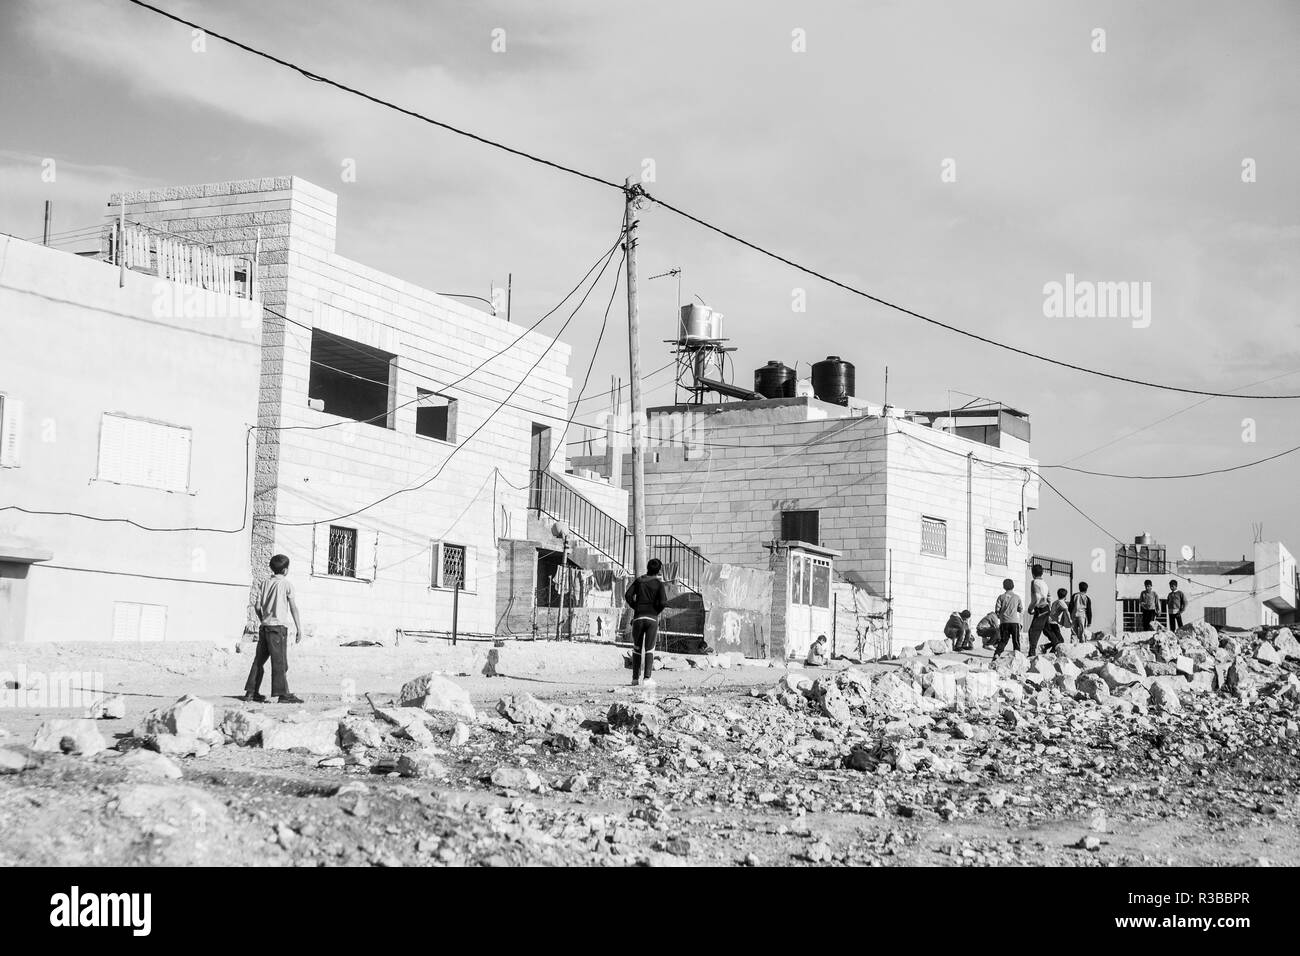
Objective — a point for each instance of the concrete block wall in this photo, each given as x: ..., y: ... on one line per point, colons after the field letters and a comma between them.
x: 309, y: 475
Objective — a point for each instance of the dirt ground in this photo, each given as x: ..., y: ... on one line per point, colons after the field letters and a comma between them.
x: 732, y: 778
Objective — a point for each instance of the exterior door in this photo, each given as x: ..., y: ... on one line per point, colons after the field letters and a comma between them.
x: 809, y: 605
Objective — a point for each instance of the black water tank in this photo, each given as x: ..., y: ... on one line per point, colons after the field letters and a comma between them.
x: 833, y: 380
x: 774, y: 380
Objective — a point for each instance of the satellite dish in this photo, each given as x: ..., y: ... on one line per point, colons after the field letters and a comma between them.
x: 560, y: 529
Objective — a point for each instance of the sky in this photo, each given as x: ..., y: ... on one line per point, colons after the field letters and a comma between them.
x: 952, y: 157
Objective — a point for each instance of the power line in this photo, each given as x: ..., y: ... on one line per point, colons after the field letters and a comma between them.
x: 381, y: 102
x: 640, y: 191
x: 1194, y: 474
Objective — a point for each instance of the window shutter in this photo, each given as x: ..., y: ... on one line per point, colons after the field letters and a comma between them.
x: 11, y: 432
x: 437, y: 564
x: 139, y: 622
x: 367, y: 549
x: 471, y: 570
x: 150, y: 454
x: 320, y: 549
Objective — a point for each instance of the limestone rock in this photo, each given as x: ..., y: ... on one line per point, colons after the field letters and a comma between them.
x: 1010, y: 665
x: 188, y: 717
x: 12, y: 761
x: 433, y: 692
x: 460, y: 735
x: 1267, y: 653
x: 516, y: 778
x: 359, y: 732
x: 831, y: 701
x: 244, y: 727
x: 1116, y: 676
x: 79, y: 736
x: 317, y: 736
x: 1287, y: 645
x: 643, y: 719
x: 1164, y: 698
x: 150, y: 763
x: 1094, y: 687
x: 422, y: 764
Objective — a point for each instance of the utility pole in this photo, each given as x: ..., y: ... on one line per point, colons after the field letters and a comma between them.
x: 45, y: 241
x: 630, y: 194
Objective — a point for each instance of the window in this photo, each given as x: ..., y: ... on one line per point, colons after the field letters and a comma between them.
x: 1217, y: 616
x: 995, y: 547
x: 800, y: 526
x: 139, y: 622
x: 135, y: 451
x: 810, y: 580
x: 453, y: 563
x: 352, y: 380
x: 435, y: 415
x: 343, y: 552
x: 11, y: 413
x: 934, y: 536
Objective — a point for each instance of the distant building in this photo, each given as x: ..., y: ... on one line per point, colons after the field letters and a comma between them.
x: 125, y: 396
x: 1239, y: 593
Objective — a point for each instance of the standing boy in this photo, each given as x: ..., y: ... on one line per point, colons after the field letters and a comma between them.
x: 1175, y: 604
x: 1149, y: 604
x: 1039, y: 606
x: 1081, y: 611
x: 1008, y: 607
x: 274, y: 605
x: 647, y: 597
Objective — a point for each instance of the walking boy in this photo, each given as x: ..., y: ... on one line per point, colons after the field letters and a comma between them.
x: 1008, y: 607
x: 647, y: 598
x: 1057, y: 618
x: 274, y: 605
x: 1149, y: 604
x: 1039, y: 606
x: 1175, y: 604
x: 1081, y: 611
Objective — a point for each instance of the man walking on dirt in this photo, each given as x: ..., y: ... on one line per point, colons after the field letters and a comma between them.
x: 274, y: 605
x: 647, y: 597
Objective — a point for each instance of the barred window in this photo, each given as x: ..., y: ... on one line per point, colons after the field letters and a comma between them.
x: 995, y: 547
x: 343, y: 552
x: 934, y: 536
x: 1217, y: 616
x: 453, y: 565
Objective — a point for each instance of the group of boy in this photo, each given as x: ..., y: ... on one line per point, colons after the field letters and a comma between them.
x: 1069, y: 613
x: 1149, y: 605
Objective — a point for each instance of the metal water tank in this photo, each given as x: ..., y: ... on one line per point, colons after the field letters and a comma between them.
x: 833, y: 380
x: 774, y: 380
x: 698, y: 322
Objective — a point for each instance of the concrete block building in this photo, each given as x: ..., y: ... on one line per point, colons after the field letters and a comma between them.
x: 921, y: 513
x: 1259, y: 589
x: 127, y: 406
x: 369, y: 395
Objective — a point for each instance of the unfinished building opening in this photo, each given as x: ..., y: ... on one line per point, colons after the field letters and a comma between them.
x: 352, y: 380
x: 435, y: 415
x: 556, y: 577
x: 800, y: 526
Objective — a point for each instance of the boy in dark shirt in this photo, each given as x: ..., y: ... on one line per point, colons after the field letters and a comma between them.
x: 647, y: 598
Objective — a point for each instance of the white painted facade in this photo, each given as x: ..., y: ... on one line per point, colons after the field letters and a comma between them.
x: 118, y: 405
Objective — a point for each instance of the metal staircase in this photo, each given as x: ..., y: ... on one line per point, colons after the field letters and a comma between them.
x: 610, y: 538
